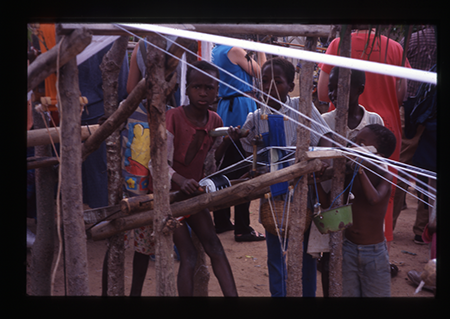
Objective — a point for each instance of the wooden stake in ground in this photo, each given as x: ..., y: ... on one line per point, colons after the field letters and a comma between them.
x: 337, y: 184
x: 115, y: 257
x: 299, y: 205
x: 71, y: 184
x: 158, y: 90
x: 43, y: 248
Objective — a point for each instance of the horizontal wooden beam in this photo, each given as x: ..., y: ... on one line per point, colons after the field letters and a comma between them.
x: 38, y: 162
x: 307, y: 30
x: 227, y: 196
x: 310, y: 30
x: 142, y: 203
x: 324, y: 154
x: 97, y: 29
x: 45, y: 136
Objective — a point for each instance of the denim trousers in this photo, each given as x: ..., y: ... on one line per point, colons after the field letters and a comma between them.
x: 365, y: 270
x: 276, y: 264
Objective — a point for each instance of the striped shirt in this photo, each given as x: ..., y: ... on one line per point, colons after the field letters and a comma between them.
x: 257, y: 126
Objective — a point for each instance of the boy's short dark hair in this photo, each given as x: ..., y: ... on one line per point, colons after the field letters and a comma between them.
x: 285, y: 65
x: 358, y: 77
x: 385, y: 139
x: 204, y: 66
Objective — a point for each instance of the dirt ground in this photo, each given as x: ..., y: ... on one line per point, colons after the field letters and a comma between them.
x: 248, y: 262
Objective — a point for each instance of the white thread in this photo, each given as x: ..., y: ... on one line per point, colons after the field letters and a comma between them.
x: 264, y: 105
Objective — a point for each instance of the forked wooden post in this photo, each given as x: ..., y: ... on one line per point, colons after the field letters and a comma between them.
x: 157, y: 91
x: 44, y: 246
x: 115, y: 255
x: 337, y: 184
x: 299, y: 205
x: 71, y: 186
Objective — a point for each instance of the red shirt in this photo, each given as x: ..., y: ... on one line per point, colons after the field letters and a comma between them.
x: 380, y: 93
x: 181, y: 133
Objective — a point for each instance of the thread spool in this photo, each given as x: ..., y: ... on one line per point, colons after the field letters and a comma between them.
x: 215, y: 183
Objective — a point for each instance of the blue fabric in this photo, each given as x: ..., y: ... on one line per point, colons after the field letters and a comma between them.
x: 219, y: 57
x: 276, y: 137
x: 365, y: 270
x: 240, y: 105
x: 276, y: 264
x: 426, y: 153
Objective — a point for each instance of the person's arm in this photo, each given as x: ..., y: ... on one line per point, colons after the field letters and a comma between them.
x: 401, y: 86
x: 374, y: 194
x: 134, y: 75
x: 238, y: 56
x: 188, y: 186
x: 322, y: 87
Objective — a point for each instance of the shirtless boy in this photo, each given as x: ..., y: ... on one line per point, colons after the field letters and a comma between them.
x: 365, y: 266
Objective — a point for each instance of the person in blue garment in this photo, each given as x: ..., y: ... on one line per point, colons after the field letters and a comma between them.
x: 279, y: 73
x: 233, y: 107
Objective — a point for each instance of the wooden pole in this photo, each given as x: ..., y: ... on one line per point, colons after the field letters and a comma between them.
x: 157, y: 91
x: 115, y: 254
x: 45, y: 64
x: 299, y: 205
x: 224, y: 198
x: 71, y: 184
x: 115, y: 120
x: 264, y: 29
x: 337, y: 184
x: 43, y: 248
x: 316, y: 30
x: 44, y: 136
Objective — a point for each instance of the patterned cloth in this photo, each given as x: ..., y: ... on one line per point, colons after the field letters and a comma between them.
x: 421, y: 53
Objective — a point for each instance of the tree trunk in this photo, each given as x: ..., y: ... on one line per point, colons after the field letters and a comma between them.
x: 110, y: 67
x: 337, y: 184
x: 299, y: 205
x: 158, y: 89
x: 43, y: 247
x: 71, y: 184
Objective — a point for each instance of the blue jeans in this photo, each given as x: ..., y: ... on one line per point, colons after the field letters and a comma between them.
x: 276, y: 264
x: 365, y: 270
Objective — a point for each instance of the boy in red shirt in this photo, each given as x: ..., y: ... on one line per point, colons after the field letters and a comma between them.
x: 188, y: 145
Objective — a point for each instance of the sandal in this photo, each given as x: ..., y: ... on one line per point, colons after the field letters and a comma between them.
x: 253, y: 236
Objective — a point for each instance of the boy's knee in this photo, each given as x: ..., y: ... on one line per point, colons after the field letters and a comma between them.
x: 189, y: 259
x: 214, y: 249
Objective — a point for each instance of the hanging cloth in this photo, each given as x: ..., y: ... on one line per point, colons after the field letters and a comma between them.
x: 47, y: 40
x: 276, y: 137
